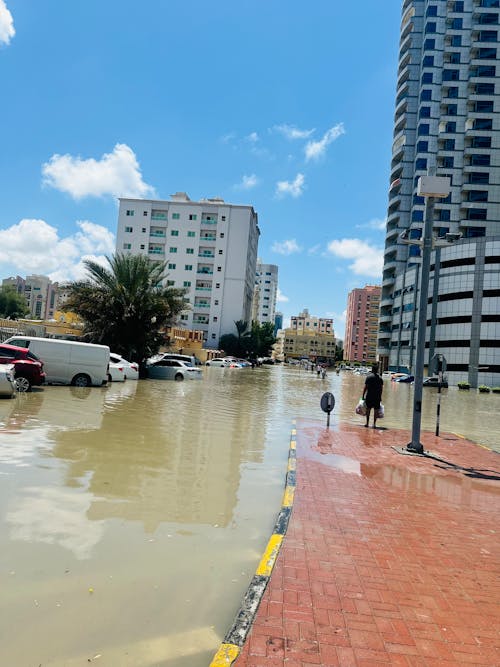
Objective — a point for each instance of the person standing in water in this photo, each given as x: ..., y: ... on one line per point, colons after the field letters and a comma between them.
x: 372, y: 394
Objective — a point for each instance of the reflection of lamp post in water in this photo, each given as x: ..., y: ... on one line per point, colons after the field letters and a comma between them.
x: 430, y: 187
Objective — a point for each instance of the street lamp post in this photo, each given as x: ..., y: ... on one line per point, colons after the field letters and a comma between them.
x: 430, y: 187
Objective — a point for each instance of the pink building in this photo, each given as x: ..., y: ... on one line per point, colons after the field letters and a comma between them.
x: 361, y: 329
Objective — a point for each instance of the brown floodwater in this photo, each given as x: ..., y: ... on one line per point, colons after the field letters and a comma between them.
x: 133, y: 517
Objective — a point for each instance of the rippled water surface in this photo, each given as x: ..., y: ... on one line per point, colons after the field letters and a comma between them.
x: 133, y: 517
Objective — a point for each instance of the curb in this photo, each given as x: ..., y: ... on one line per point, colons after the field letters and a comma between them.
x: 235, y: 637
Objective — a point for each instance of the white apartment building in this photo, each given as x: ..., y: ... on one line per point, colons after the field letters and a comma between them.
x: 210, y: 248
x: 265, y: 293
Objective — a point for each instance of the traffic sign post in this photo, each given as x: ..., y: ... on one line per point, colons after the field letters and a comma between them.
x: 438, y: 365
x: 327, y: 404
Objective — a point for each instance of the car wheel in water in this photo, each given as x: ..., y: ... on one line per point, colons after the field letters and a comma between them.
x: 179, y: 377
x: 81, y: 380
x: 22, y: 384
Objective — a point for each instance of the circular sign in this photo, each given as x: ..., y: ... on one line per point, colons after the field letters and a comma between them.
x: 327, y: 402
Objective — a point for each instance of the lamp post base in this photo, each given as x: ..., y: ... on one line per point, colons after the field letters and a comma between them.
x: 417, y: 448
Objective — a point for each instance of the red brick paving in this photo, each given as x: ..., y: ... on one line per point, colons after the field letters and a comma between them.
x: 388, y: 559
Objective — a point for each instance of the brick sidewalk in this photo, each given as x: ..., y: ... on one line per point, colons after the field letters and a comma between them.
x: 388, y: 559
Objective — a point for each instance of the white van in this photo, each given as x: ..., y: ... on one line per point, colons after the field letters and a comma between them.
x: 67, y: 362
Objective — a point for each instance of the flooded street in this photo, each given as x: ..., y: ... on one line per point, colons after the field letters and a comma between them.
x: 133, y: 517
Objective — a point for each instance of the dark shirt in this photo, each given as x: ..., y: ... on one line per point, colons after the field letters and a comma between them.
x: 373, y: 385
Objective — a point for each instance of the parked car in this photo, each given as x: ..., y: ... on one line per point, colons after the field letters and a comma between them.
x: 433, y: 381
x: 189, y: 359
x: 66, y: 361
x: 173, y: 369
x: 220, y: 363
x: 28, y: 368
x: 130, y: 368
x: 405, y: 378
x: 116, y: 372
x: 7, y: 381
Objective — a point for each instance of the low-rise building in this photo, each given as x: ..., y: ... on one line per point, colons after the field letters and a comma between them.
x: 310, y: 338
x: 40, y: 292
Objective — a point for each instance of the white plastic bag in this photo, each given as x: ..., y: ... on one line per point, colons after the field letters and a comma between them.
x: 380, y: 412
x: 361, y: 407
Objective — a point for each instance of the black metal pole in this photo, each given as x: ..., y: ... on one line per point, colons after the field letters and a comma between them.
x: 438, y: 407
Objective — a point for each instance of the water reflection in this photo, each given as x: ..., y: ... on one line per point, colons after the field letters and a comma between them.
x: 160, y: 496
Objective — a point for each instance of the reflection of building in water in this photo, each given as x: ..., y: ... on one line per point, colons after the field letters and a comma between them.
x: 174, y: 453
x: 456, y: 489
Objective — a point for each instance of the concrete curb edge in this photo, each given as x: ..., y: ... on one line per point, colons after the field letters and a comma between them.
x: 234, y: 639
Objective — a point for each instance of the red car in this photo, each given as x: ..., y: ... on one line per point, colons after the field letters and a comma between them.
x: 28, y: 367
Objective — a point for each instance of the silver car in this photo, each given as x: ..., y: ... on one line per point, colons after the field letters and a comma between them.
x: 7, y: 382
x: 172, y: 369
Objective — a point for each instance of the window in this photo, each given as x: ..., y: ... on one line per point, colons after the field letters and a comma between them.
x: 483, y: 106
x: 219, y: 268
x: 487, y: 53
x: 488, y: 36
x: 450, y: 110
x: 444, y: 215
x: 127, y: 246
x: 474, y: 232
x: 215, y: 318
x: 449, y: 145
x: 184, y: 317
x: 174, y: 232
x: 456, y: 24
x: 129, y: 230
x: 426, y: 95
x: 481, y: 142
x: 485, y: 89
x: 432, y: 10
x: 430, y: 44
x: 448, y: 161
x: 170, y: 283
x: 176, y: 216
x: 484, y: 70
x: 480, y: 160
x: 421, y: 163
x: 450, y: 127
x: 171, y: 266
x: 490, y: 3
x: 442, y: 231
x: 451, y: 91
x: 428, y: 61
x: 144, y: 230
x: 430, y: 27
x: 216, y: 302
x: 220, y: 252
x: 423, y: 129
x: 458, y: 6
x: 223, y: 218
x: 477, y: 195
x: 221, y: 235
x: 422, y: 146
x: 456, y: 40
x: 425, y: 112
x: 213, y: 335
x: 217, y: 285
x: 188, y: 267
x: 488, y: 19
x: 144, y: 213
x: 479, y: 177
x: 476, y: 214
x: 189, y: 251
x: 483, y: 124
x: 451, y: 75
x: 172, y: 249
x: 142, y: 246
x: 192, y: 216
x: 130, y: 212
x: 417, y: 216
x: 427, y: 77
x: 191, y: 234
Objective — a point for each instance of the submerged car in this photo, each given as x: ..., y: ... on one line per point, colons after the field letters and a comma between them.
x: 433, y: 381
x: 219, y: 363
x: 130, y: 368
x: 173, y: 369
x: 405, y: 378
x: 116, y: 372
x: 28, y: 368
x: 7, y: 381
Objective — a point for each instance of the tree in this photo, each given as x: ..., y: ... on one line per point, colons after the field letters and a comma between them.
x: 125, y: 306
x: 12, y: 304
x: 256, y: 342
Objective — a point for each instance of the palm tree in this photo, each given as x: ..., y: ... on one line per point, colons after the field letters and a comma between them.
x: 125, y: 305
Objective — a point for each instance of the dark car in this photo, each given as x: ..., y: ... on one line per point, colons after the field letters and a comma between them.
x: 28, y: 368
x: 434, y: 382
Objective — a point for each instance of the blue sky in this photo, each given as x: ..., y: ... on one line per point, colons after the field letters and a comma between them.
x: 286, y: 106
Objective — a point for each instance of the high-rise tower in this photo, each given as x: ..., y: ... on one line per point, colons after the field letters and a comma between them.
x: 447, y: 118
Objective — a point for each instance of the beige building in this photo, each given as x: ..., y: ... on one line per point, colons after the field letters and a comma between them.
x: 40, y: 294
x: 310, y: 337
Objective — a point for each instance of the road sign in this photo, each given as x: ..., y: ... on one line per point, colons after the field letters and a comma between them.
x: 437, y: 364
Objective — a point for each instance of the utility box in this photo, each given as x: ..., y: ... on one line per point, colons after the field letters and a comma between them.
x: 433, y: 186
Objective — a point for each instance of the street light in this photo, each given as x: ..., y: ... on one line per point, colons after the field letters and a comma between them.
x: 431, y: 187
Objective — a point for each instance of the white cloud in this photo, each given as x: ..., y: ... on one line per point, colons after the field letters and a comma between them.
x: 291, y: 132
x: 368, y: 260
x: 253, y: 137
x: 375, y: 223
x: 7, y: 30
x: 316, y: 149
x: 247, y: 182
x: 117, y: 174
x: 287, y: 247
x: 34, y: 246
x: 294, y: 188
x: 314, y: 249
x: 280, y: 297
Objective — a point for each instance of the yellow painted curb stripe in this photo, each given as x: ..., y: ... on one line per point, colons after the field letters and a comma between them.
x: 293, y: 444
x: 294, y: 432
x: 288, y: 496
x: 292, y: 464
x: 226, y: 655
x: 269, y: 558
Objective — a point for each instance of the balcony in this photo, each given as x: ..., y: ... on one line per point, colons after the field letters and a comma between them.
x: 161, y: 235
x: 202, y: 304
x: 205, y: 272
x: 208, y: 237
x: 158, y: 216
x: 211, y: 220
x: 156, y: 251
x: 207, y: 254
